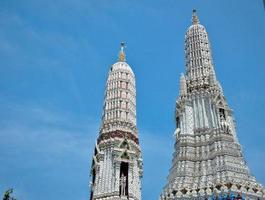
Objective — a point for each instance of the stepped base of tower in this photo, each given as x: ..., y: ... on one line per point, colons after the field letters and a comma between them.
x: 224, y: 191
x: 209, y: 164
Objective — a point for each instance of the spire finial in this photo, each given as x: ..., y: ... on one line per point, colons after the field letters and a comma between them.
x: 122, y: 57
x: 195, y: 19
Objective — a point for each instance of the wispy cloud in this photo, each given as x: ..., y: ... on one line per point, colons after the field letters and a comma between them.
x: 38, y: 143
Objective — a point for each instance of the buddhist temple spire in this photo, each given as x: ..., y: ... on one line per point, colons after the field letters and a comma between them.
x: 116, y: 169
x: 198, y: 58
x: 208, y: 161
x: 122, y: 56
x: 195, y: 19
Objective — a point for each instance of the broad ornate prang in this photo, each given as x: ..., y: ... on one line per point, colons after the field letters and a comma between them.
x: 208, y: 161
x: 117, y: 162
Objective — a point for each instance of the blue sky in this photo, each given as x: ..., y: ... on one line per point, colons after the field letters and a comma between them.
x: 55, y: 56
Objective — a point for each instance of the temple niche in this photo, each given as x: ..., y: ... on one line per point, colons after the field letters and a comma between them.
x: 124, y: 179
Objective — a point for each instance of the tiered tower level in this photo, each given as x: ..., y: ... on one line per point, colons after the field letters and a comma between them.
x: 117, y: 163
x: 208, y: 158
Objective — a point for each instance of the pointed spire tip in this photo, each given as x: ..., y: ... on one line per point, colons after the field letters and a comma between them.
x: 122, y: 57
x: 195, y: 19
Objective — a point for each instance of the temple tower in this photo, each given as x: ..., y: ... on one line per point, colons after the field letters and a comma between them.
x: 117, y: 163
x: 208, y: 160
